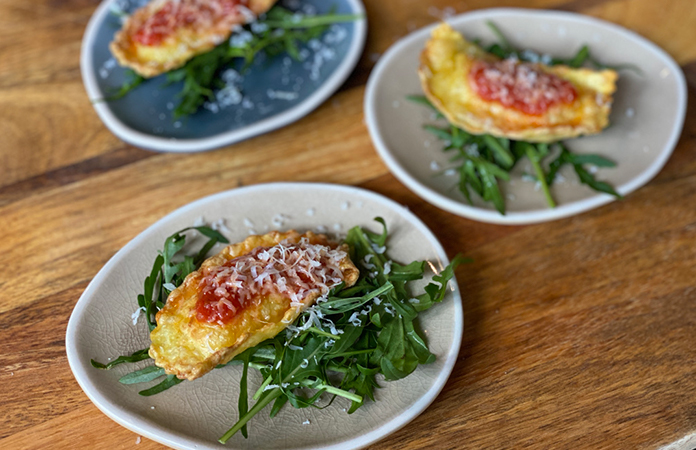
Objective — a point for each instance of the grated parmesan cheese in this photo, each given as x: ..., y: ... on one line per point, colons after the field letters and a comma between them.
x: 219, y: 225
x: 294, y: 270
x: 379, y: 250
x: 281, y: 95
x: 355, y: 320
x: 136, y: 315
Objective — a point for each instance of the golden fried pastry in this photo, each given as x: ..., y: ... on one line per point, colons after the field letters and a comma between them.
x: 247, y: 293
x: 481, y: 93
x: 164, y: 34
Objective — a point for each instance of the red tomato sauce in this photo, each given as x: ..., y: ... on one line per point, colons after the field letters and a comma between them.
x: 220, y: 291
x: 520, y: 86
x: 291, y: 270
x: 208, y: 308
x: 183, y: 13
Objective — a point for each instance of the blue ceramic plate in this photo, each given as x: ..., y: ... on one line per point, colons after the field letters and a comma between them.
x: 272, y: 93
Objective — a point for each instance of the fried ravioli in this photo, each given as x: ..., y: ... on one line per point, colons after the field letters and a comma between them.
x: 164, y: 34
x: 247, y: 293
x: 481, y: 93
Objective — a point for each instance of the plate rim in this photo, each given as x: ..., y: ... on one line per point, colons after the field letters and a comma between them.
x: 175, y: 145
x: 178, y: 440
x: 518, y: 217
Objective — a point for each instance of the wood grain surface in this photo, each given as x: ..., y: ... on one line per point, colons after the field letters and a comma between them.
x: 580, y: 333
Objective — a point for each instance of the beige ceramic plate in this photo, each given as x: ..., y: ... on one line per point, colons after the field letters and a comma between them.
x: 647, y: 117
x: 195, y: 414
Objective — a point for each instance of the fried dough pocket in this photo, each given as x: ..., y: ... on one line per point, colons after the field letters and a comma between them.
x: 449, y: 61
x: 247, y: 293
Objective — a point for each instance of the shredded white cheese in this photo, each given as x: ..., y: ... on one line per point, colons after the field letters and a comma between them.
x: 136, y: 315
x: 295, y: 270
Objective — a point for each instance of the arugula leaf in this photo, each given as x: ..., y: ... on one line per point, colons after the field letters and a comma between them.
x: 595, y: 160
x: 149, y: 373
x: 301, y: 363
x: 410, y: 272
x: 435, y: 291
x: 169, y: 381
x: 425, y: 102
x: 264, y: 401
x: 243, y: 403
x: 535, y: 155
x: 133, y: 80
x: 555, y: 166
x: 579, y: 59
x: 577, y: 161
x: 140, y: 355
x: 145, y: 301
x: 339, y: 305
x: 278, y: 405
x: 444, y: 134
x: 395, y: 354
x: 350, y: 335
x: 362, y: 380
x: 589, y: 179
x: 501, y: 154
x: 503, y: 44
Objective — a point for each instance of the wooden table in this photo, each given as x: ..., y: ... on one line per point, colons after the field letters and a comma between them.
x: 580, y: 333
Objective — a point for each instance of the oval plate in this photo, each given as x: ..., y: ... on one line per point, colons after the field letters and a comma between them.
x: 647, y: 115
x: 276, y: 91
x: 195, y: 414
